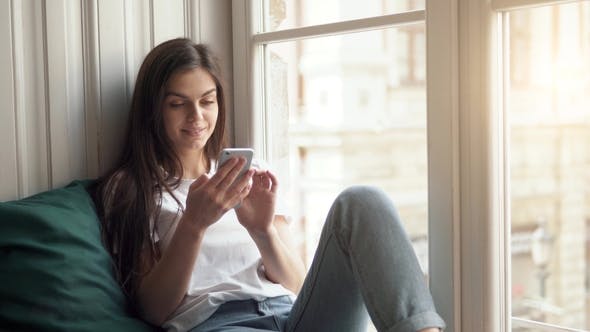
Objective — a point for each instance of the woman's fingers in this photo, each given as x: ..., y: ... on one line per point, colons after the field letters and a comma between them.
x: 227, y: 188
x: 232, y: 187
x: 229, y: 176
x: 274, y: 181
x: 223, y: 171
x: 243, y: 184
x: 265, y: 180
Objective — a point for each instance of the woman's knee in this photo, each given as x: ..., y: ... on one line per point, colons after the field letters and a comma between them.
x: 364, y: 197
x: 365, y: 216
x: 366, y: 204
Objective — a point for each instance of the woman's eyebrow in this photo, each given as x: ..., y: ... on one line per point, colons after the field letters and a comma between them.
x: 209, y: 91
x: 178, y: 94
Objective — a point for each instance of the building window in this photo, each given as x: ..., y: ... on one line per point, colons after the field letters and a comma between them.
x: 349, y: 109
x: 333, y: 94
x: 549, y: 142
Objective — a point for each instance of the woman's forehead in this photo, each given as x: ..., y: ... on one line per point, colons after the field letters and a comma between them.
x: 195, y: 82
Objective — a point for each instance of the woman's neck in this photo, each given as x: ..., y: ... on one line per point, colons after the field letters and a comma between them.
x: 194, y: 164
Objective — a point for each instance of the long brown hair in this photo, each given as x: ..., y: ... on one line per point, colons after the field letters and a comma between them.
x: 128, y: 197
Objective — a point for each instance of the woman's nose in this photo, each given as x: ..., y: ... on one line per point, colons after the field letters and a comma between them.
x: 195, y: 112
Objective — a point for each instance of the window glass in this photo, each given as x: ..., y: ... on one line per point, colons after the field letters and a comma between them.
x: 288, y: 14
x: 347, y: 110
x: 549, y: 128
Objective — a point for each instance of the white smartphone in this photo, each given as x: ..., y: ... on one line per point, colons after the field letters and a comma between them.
x: 246, y: 153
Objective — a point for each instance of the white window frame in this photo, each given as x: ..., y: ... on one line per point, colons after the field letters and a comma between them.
x: 485, y: 275
x: 468, y: 201
x: 500, y: 9
x: 444, y: 150
x: 485, y: 205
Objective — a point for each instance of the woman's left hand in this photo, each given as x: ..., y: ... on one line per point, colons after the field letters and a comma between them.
x: 256, y: 212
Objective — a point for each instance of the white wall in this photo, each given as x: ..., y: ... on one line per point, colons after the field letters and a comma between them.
x: 67, y: 71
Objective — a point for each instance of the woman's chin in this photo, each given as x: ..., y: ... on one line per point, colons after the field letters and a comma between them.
x: 192, y: 148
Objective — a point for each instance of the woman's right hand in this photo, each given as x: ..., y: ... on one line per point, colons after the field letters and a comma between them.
x: 209, y: 198
x: 162, y: 288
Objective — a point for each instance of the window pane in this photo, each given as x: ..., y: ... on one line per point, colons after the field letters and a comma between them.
x: 549, y: 112
x: 288, y: 14
x: 347, y: 110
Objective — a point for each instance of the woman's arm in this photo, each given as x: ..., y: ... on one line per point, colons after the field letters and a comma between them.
x: 271, y: 233
x: 164, y: 285
x: 281, y: 262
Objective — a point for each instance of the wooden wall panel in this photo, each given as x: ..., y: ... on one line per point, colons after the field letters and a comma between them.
x: 67, y: 130
x: 67, y: 75
x: 168, y: 19
x: 114, y: 98
x: 30, y: 98
x: 9, y: 169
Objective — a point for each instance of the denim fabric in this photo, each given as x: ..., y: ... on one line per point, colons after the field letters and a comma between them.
x: 364, y: 267
x: 249, y: 316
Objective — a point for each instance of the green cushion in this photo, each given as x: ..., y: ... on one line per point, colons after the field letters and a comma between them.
x: 55, y: 274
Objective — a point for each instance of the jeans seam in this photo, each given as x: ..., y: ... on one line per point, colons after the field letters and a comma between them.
x: 276, y: 320
x: 365, y: 291
x: 358, y: 273
x: 313, y: 283
x: 368, y: 296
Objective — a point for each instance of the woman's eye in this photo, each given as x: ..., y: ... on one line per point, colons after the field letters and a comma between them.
x: 208, y: 101
x: 175, y: 105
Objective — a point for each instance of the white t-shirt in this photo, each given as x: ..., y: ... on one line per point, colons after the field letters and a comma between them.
x: 228, y: 267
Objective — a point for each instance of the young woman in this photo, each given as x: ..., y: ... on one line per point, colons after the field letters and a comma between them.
x: 188, y: 260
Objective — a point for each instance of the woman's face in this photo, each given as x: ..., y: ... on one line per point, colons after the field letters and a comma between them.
x: 190, y: 110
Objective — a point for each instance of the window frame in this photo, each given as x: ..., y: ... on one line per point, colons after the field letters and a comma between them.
x: 502, y: 9
x: 469, y: 207
x: 442, y: 118
x: 484, y: 86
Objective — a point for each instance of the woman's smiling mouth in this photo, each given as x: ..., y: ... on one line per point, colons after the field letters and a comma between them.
x: 194, y: 132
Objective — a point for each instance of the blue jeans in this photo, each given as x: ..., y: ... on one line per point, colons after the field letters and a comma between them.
x: 364, y: 266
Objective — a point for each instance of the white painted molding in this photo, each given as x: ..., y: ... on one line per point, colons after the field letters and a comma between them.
x: 248, y: 78
x: 92, y: 95
x: 243, y: 134
x: 130, y: 16
x: 541, y: 326
x: 113, y: 81
x: 358, y: 25
x: 504, y: 203
x: 56, y: 108
x: 19, y: 104
x: 169, y: 19
x: 66, y: 78
x: 504, y: 5
x: 75, y: 93
x: 30, y: 97
x: 192, y: 20
x: 442, y: 63
x: 66, y: 118
x: 8, y: 151
x: 483, y: 295
x: 139, y: 37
